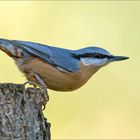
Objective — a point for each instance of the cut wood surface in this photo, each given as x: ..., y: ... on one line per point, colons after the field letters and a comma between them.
x: 21, y: 116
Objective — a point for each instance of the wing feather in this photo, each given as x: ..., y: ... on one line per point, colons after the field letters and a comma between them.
x: 58, y: 57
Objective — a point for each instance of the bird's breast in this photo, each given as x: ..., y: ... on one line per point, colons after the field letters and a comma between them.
x: 54, y: 78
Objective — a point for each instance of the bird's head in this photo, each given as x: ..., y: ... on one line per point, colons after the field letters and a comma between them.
x: 96, y: 57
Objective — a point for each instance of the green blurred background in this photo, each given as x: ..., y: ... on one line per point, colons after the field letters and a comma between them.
x: 108, y: 106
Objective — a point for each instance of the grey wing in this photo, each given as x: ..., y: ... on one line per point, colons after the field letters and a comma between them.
x: 61, y: 58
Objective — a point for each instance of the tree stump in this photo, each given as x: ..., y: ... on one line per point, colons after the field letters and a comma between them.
x: 21, y: 116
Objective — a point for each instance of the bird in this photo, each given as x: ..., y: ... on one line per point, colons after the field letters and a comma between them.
x: 57, y: 68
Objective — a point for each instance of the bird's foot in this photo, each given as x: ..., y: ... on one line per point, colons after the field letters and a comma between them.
x: 34, y: 84
x: 44, y: 96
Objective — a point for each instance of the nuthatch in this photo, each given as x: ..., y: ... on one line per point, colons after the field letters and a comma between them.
x: 56, y: 68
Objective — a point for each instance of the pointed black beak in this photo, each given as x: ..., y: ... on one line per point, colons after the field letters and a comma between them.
x: 118, y: 58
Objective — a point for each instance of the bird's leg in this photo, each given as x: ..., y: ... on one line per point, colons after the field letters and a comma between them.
x: 44, y: 90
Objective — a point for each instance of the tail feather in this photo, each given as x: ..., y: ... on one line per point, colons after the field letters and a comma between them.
x: 7, y: 47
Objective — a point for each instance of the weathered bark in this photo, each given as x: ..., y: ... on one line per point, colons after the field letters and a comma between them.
x: 21, y: 116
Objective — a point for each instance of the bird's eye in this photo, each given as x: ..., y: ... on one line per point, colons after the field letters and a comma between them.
x: 97, y: 55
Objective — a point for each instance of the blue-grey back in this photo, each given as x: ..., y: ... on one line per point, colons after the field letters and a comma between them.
x: 55, y: 56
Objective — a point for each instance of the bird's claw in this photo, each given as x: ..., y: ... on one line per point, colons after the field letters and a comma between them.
x: 45, y: 97
x: 44, y: 91
x: 30, y: 83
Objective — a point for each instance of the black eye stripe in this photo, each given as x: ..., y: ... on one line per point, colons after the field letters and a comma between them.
x: 97, y: 55
x: 93, y: 55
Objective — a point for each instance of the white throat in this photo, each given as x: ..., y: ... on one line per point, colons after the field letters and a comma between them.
x: 94, y: 61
